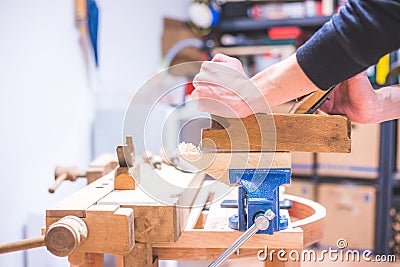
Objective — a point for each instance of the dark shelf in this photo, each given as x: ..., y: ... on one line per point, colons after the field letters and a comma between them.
x: 335, y: 179
x: 248, y: 24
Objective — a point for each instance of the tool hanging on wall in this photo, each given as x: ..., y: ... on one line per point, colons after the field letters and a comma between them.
x: 203, y: 15
x: 93, y: 24
x: 86, y: 19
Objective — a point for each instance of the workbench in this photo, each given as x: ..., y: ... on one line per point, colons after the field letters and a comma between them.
x: 143, y: 215
x: 182, y: 231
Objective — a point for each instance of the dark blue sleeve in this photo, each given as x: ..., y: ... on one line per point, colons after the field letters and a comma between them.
x: 354, y: 39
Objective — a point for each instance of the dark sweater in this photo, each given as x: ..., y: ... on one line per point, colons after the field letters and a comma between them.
x: 353, y: 40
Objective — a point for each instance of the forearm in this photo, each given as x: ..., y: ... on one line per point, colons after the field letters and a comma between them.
x: 353, y: 40
x: 387, y: 106
x: 283, y: 82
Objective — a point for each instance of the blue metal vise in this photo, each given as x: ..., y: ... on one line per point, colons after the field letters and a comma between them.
x: 258, y: 192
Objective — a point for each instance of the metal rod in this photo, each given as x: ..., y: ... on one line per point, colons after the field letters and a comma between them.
x: 260, y: 223
x: 387, y: 170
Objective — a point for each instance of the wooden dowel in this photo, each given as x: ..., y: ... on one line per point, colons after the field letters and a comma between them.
x: 22, y: 245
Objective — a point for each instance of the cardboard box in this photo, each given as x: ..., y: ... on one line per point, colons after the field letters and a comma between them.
x: 362, y: 162
x: 302, y: 163
x: 350, y: 214
x: 301, y: 188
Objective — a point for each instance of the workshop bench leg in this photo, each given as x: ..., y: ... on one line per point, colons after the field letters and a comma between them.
x: 92, y: 260
x: 140, y: 256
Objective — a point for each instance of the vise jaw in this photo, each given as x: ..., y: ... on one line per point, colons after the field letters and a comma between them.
x: 259, y: 192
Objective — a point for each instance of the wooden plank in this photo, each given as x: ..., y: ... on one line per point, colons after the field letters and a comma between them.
x: 280, y: 132
x: 77, y: 203
x: 217, y: 164
x: 202, y: 244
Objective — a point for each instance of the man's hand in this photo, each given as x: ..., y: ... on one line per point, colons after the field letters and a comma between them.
x: 354, y: 98
x: 222, y: 88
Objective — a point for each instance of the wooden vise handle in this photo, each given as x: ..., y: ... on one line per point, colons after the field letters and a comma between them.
x: 22, y: 244
x: 61, y: 239
x: 65, y: 235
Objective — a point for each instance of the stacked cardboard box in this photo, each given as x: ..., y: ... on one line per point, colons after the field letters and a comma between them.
x: 362, y: 162
x: 350, y: 214
x: 301, y: 188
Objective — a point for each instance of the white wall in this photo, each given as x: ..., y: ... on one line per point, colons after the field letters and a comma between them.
x: 130, y: 52
x: 46, y: 98
x: 44, y: 109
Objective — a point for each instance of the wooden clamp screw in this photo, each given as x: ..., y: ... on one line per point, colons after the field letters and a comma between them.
x: 65, y: 173
x: 65, y: 235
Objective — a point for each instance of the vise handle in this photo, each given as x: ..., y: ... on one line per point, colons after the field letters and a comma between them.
x: 261, y: 222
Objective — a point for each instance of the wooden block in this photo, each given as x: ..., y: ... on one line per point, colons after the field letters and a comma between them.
x: 140, y: 256
x: 124, y: 182
x: 93, y: 260
x: 123, y: 179
x: 280, y: 132
x: 217, y: 164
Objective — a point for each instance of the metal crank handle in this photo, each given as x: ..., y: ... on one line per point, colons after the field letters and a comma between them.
x: 260, y: 223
